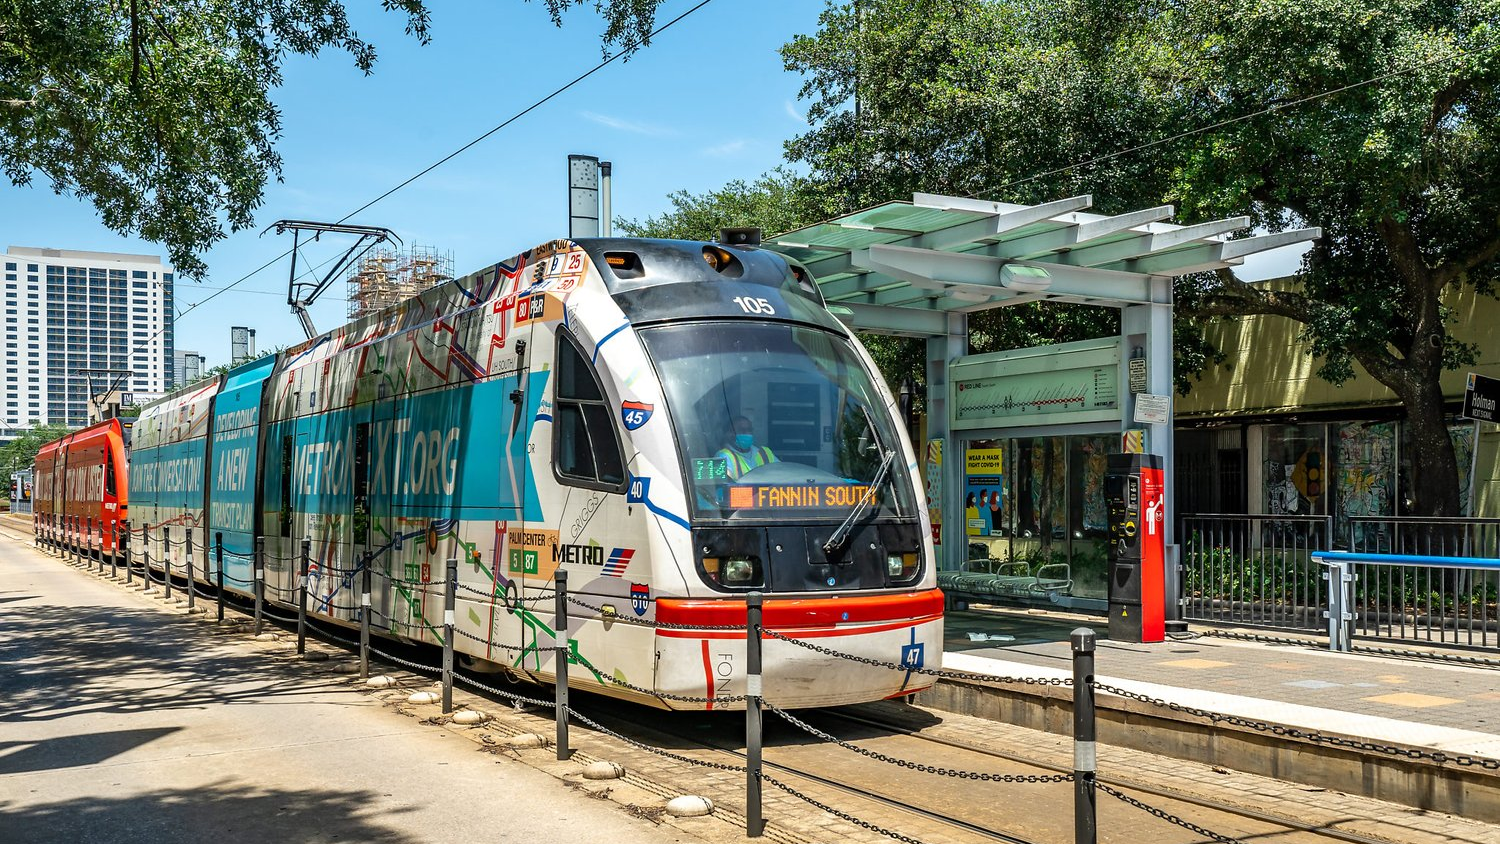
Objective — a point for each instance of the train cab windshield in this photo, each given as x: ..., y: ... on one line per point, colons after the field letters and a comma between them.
x: 778, y: 422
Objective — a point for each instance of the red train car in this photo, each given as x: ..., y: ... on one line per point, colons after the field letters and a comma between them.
x: 80, y: 484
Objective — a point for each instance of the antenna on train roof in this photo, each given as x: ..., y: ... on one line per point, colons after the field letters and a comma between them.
x: 745, y: 236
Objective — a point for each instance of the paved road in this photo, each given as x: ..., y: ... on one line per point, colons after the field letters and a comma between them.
x: 123, y: 722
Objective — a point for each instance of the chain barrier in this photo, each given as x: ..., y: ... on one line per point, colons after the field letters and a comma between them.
x: 281, y: 618
x: 531, y: 701
x: 600, y: 728
x: 646, y: 622
x: 491, y: 643
x: 844, y: 816
x: 396, y: 622
x: 507, y: 598
x: 914, y: 766
x: 1167, y: 816
x: 328, y: 634
x: 405, y: 663
x: 653, y: 692
x: 1437, y: 756
x: 967, y: 676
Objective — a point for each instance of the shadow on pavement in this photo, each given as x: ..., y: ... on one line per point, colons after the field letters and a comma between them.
x: 57, y: 661
x: 74, y: 751
x: 224, y: 813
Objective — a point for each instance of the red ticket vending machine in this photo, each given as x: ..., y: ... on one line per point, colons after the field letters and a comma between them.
x: 1134, y: 496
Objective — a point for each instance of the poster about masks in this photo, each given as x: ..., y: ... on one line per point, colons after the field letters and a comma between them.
x: 984, y: 489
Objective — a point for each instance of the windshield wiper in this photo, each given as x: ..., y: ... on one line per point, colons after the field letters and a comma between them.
x: 840, y: 536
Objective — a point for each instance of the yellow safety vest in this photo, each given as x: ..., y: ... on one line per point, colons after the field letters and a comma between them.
x: 739, y: 464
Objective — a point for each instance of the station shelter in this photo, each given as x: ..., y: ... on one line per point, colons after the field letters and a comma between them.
x: 1016, y: 442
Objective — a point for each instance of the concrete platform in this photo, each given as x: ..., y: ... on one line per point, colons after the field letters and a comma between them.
x: 1394, y: 705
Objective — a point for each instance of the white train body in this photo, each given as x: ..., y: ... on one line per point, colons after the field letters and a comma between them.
x: 574, y: 409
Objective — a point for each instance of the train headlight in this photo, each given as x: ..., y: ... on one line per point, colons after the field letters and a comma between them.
x: 739, y: 571
x: 901, y: 567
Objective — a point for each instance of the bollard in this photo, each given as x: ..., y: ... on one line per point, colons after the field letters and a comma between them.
x: 260, y: 583
x: 192, y: 590
x: 219, y: 553
x: 364, y: 621
x: 101, y: 546
x: 755, y: 824
x: 166, y: 559
x: 125, y: 549
x: 302, y: 598
x: 96, y: 556
x: 114, y: 553
x: 145, y: 558
x: 1085, y: 761
x: 560, y: 672
x: 450, y: 594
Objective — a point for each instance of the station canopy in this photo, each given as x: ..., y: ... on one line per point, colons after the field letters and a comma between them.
x: 902, y: 267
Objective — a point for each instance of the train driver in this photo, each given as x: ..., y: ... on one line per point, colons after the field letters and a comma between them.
x: 742, y: 454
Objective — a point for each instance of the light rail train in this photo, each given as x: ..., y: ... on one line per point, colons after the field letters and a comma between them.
x: 674, y: 424
x: 79, y: 486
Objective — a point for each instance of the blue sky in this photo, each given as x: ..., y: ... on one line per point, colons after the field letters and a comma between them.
x: 707, y: 102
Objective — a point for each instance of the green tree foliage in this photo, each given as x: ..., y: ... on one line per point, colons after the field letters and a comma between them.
x: 20, y: 452
x: 159, y: 112
x: 1003, y: 98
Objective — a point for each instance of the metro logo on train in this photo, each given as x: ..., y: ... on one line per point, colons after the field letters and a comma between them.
x: 522, y: 437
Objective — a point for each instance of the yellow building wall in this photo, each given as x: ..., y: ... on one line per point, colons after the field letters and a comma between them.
x: 1268, y: 370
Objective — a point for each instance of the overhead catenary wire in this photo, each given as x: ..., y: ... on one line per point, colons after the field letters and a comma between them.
x: 608, y: 60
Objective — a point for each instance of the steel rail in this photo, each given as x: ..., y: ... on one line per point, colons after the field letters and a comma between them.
x: 871, y: 796
x: 1155, y: 791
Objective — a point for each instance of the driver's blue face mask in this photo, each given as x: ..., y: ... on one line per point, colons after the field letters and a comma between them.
x: 743, y: 442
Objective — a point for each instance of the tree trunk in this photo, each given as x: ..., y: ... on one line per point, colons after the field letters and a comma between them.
x: 1429, y: 452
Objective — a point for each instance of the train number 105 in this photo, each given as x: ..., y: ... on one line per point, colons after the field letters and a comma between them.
x: 755, y: 306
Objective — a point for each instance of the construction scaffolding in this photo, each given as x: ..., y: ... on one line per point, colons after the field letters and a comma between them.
x: 384, y: 277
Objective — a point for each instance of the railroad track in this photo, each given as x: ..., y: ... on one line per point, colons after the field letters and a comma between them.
x: 1136, y: 786
x: 867, y: 788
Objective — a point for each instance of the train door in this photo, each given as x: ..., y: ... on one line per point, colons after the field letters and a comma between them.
x: 532, y: 544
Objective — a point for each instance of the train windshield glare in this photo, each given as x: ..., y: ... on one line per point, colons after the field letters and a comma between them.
x: 776, y: 422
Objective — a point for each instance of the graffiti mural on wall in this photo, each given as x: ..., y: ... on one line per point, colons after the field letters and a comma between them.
x: 1366, y: 477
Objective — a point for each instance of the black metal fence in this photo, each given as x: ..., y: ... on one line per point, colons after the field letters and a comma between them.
x: 1258, y: 570
x: 1255, y: 570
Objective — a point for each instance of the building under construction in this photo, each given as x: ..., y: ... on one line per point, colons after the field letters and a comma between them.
x: 384, y: 277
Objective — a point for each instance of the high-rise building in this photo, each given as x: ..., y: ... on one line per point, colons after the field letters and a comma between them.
x: 187, y: 367
x: 241, y: 344
x: 68, y: 310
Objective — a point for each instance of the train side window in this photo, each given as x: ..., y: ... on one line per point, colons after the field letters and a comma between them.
x: 585, y: 445
x: 286, y: 486
x: 109, y: 476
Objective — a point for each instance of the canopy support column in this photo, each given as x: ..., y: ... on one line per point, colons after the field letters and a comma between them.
x: 1148, y: 328
x: 942, y: 351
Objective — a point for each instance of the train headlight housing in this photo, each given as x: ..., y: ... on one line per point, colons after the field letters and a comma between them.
x: 739, y: 571
x: 901, y: 567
